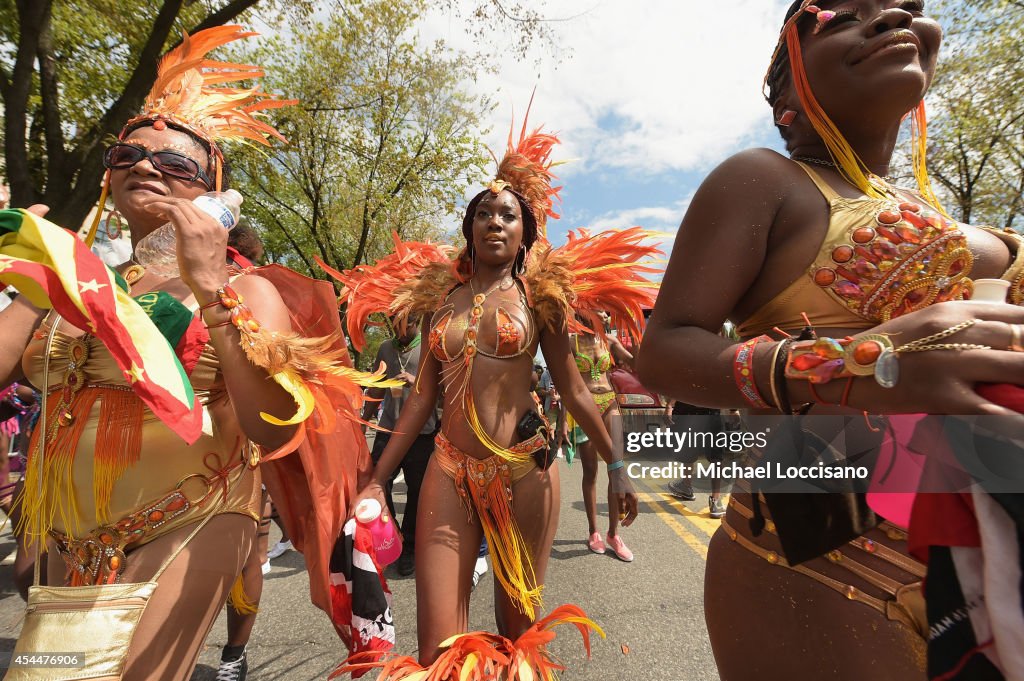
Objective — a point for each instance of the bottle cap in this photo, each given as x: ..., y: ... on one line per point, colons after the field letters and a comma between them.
x: 990, y: 290
x: 368, y: 510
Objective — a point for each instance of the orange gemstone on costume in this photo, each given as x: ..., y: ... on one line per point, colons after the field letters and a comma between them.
x: 114, y: 563
x: 471, y: 334
x: 176, y: 505
x: 842, y: 254
x: 478, y: 299
x: 825, y: 277
x: 864, y: 235
x: 155, y: 516
x: 889, y: 217
x: 911, y: 206
x: 870, y: 546
x: 253, y: 325
x: 867, y: 352
x: 909, y: 234
x: 808, y: 361
x: 106, y: 538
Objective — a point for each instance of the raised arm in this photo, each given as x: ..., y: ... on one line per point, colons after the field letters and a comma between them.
x: 250, y: 387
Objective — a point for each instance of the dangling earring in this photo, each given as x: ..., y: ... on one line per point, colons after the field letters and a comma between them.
x: 113, y: 233
x: 519, y: 266
x: 786, y: 119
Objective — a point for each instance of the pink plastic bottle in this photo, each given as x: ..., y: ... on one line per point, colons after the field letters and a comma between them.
x: 386, y: 539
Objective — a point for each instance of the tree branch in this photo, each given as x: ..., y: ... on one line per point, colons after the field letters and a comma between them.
x: 57, y: 171
x: 33, y: 15
x: 223, y: 15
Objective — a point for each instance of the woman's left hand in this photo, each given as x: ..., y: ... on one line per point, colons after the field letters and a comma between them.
x: 202, y: 244
x: 625, y: 496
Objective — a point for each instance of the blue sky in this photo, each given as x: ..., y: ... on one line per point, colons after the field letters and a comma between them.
x: 646, y: 95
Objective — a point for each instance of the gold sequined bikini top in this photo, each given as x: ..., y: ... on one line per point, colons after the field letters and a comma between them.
x: 505, y: 330
x: 881, y: 258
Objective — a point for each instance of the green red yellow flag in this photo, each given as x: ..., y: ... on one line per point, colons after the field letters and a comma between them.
x: 53, y: 268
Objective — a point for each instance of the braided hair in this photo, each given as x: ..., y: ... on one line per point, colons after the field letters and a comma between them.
x: 465, y: 265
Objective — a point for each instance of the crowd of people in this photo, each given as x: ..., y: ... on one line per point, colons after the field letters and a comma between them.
x: 159, y: 431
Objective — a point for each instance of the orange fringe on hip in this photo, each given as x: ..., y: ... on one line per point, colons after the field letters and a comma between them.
x: 117, y: 447
x: 482, y: 656
x: 486, y: 485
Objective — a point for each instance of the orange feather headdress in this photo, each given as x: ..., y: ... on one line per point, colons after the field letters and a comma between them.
x: 189, y: 93
x: 526, y: 171
x: 186, y: 93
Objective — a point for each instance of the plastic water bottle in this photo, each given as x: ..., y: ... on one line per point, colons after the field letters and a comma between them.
x: 386, y: 540
x: 157, y: 251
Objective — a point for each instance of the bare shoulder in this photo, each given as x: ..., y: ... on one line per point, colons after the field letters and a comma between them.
x: 758, y: 171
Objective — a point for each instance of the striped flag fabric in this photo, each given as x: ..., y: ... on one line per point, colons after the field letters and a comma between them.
x: 53, y: 268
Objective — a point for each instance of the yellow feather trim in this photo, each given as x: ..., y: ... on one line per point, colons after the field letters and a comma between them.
x: 240, y: 600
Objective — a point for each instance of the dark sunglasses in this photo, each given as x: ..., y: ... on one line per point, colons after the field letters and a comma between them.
x: 121, y: 156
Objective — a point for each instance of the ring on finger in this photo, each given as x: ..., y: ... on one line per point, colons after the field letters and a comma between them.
x: 1016, y: 338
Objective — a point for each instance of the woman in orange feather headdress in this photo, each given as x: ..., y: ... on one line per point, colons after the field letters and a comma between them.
x: 485, y: 314
x: 117, y: 490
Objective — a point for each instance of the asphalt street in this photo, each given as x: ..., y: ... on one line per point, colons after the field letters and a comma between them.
x: 651, y: 609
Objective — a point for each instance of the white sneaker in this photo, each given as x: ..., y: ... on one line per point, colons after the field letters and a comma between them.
x: 265, y: 568
x: 479, y: 570
x: 279, y: 548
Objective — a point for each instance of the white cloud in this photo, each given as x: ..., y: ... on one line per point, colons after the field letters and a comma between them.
x: 664, y: 219
x: 650, y: 86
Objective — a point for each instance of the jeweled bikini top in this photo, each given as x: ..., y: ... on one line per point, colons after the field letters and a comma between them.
x: 881, y: 258
x: 502, y: 330
x: 596, y: 367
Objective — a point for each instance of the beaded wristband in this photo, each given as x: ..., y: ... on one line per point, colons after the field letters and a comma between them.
x: 822, y: 360
x: 616, y: 465
x: 241, y: 317
x: 743, y: 372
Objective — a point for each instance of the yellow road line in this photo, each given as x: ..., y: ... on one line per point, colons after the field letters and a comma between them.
x: 701, y: 521
x: 669, y: 518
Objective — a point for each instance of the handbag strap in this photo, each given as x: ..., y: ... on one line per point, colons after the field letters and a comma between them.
x: 42, y: 453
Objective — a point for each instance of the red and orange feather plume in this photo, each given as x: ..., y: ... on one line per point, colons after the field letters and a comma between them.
x: 526, y: 169
x: 482, y: 656
x: 372, y: 289
x: 590, y: 273
x: 184, y: 92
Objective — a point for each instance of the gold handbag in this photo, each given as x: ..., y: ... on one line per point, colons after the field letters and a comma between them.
x: 87, y: 630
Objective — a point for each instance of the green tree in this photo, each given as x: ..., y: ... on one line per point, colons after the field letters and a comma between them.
x: 976, y: 132
x: 384, y: 138
x: 71, y: 74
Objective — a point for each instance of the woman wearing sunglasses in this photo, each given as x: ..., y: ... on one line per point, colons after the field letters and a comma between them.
x: 120, y: 492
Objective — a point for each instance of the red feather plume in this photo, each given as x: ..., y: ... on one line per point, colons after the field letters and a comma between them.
x: 370, y: 289
x: 603, y: 271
